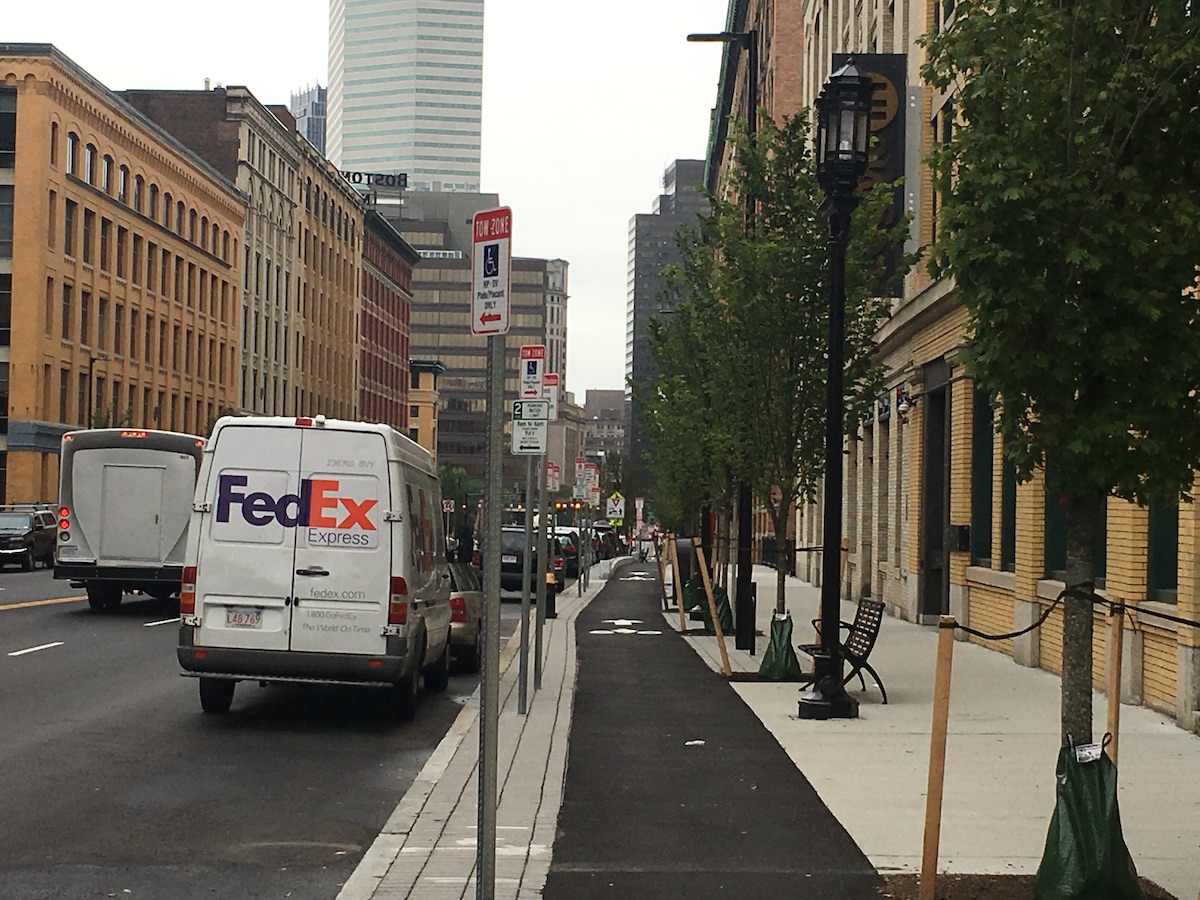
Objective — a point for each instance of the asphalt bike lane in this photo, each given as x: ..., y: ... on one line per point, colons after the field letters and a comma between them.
x: 674, y: 788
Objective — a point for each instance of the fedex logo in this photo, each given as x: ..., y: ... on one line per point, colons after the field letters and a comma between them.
x: 316, y: 506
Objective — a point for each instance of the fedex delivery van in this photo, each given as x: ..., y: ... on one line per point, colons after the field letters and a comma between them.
x: 315, y: 555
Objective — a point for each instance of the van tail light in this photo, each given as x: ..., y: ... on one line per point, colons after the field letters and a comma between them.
x: 398, y: 602
x: 477, y: 559
x: 458, y: 609
x: 187, y: 592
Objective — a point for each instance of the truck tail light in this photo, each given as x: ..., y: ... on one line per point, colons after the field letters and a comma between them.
x: 398, y: 602
x: 187, y: 592
x: 458, y: 609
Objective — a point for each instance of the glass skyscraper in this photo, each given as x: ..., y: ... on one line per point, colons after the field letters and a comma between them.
x: 406, y: 89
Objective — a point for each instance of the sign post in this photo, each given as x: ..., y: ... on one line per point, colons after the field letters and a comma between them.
x: 490, y: 289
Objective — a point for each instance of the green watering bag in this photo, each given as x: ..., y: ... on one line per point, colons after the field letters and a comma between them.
x: 779, y: 663
x: 1085, y: 856
x: 724, y: 612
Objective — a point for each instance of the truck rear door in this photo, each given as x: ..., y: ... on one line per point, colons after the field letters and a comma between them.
x: 343, y: 550
x: 131, y: 504
x: 246, y: 564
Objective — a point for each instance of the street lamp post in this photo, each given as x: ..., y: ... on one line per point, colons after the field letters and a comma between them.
x: 744, y: 624
x: 843, y: 137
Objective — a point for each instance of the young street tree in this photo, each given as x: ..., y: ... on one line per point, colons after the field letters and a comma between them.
x: 749, y: 333
x: 1069, y: 208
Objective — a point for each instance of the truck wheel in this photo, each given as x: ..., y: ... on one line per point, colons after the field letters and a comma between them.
x: 104, y: 597
x: 472, y: 661
x: 403, y: 699
x: 216, y: 695
x: 437, y: 676
x: 27, y: 561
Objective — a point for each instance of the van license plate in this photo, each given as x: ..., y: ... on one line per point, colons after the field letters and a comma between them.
x: 243, y: 617
x: 508, y: 558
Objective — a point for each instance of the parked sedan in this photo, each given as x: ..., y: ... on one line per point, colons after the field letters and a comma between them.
x: 466, y: 617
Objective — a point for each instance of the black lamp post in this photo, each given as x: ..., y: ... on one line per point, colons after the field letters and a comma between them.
x: 744, y: 619
x: 843, y: 138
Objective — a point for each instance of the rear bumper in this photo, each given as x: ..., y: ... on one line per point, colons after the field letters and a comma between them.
x: 168, y: 576
x: 291, y: 665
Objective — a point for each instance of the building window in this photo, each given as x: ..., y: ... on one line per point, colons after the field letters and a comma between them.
x: 123, y: 184
x: 72, y: 153
x: 139, y: 190
x: 166, y: 210
x: 69, y: 227
x: 81, y: 398
x: 148, y: 336
x: 122, y: 247
x: 136, y: 268
x: 64, y: 387
x: 68, y: 292
x: 49, y: 311
x: 5, y: 315
x: 192, y: 225
x: 89, y: 226
x: 54, y: 144
x: 152, y: 210
x: 102, y: 325
x: 85, y: 301
x: 89, y: 164
x: 1008, y: 516
x: 179, y: 218
x: 52, y: 220
x: 162, y: 343
x: 106, y: 169
x: 164, y: 273
x: 105, y: 244
x: 1162, y: 561
x: 6, y: 221
x: 175, y: 348
x: 8, y: 129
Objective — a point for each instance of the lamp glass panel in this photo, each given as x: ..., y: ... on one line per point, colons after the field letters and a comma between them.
x: 845, y: 140
x: 862, y: 127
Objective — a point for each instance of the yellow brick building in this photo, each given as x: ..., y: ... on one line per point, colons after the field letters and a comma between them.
x: 935, y: 519
x: 122, y: 265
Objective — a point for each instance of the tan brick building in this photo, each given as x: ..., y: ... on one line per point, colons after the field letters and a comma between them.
x: 122, y: 269
x: 935, y: 519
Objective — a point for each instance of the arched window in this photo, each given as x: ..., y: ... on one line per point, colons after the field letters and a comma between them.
x: 203, y: 232
x: 123, y: 184
x: 192, y: 225
x: 166, y: 218
x: 89, y: 164
x: 152, y: 212
x: 106, y: 170
x: 72, y: 153
x: 224, y: 245
x: 179, y: 209
x: 139, y: 192
x: 54, y: 143
x: 216, y: 233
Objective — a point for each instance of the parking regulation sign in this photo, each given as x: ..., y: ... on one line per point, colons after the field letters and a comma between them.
x: 491, y: 287
x: 533, y: 367
x: 530, y: 424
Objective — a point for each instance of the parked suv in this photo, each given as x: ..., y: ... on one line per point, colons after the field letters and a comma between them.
x: 512, y: 561
x: 27, y: 537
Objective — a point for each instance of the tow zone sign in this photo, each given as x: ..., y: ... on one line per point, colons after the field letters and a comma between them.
x: 491, y: 288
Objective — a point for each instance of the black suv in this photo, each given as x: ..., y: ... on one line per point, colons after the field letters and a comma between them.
x: 27, y: 537
x: 512, y: 561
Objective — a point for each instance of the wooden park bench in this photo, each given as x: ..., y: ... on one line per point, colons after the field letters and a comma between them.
x: 859, y: 642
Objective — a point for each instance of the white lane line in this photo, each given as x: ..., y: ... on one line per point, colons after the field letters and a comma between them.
x: 35, y: 649
x: 163, y: 622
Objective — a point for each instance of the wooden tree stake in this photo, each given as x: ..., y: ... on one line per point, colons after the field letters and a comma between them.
x: 676, y: 587
x: 712, y: 606
x: 937, y: 757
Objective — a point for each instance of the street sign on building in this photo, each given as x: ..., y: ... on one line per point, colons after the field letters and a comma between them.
x: 491, y: 288
x: 550, y: 392
x: 529, y: 427
x: 533, y: 367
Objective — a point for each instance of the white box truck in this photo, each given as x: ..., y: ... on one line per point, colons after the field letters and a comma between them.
x: 315, y: 555
x: 124, y: 498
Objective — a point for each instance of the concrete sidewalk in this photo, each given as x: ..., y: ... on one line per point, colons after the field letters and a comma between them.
x: 1001, y: 753
x: 426, y: 850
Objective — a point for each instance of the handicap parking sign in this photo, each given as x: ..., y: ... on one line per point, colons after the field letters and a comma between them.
x: 491, y: 260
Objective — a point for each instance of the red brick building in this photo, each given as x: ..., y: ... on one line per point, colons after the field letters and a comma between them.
x: 386, y: 312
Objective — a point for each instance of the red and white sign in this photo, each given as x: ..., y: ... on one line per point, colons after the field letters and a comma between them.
x: 533, y: 367
x: 491, y: 288
x: 550, y: 392
x: 553, y: 475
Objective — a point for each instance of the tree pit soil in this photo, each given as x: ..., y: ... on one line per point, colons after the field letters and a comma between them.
x: 982, y: 887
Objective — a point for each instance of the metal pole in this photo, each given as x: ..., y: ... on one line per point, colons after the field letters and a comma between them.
x: 543, y: 540
x: 532, y: 552
x: 489, y: 694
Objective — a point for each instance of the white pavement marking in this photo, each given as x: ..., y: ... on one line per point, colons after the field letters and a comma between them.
x: 163, y: 622
x: 36, y: 649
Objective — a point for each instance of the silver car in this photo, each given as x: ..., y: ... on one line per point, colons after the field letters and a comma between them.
x: 466, y: 617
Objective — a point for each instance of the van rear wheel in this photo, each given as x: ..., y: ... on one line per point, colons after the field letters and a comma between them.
x: 403, y: 699
x: 216, y: 695
x: 437, y: 676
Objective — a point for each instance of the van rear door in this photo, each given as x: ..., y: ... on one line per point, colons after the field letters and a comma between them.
x: 343, y: 551
x: 246, y: 563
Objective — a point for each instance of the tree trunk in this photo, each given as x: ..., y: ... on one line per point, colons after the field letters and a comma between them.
x: 779, y: 520
x: 1082, y: 515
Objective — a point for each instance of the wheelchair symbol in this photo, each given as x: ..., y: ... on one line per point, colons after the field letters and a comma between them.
x: 491, y: 260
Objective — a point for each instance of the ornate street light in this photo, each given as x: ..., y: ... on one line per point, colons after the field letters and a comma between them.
x: 843, y: 141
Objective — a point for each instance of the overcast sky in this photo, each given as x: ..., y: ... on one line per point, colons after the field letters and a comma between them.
x: 585, y: 104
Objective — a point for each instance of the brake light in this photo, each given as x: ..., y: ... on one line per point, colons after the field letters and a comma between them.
x: 458, y: 609
x: 187, y: 592
x: 558, y: 562
x: 398, y: 602
x: 477, y: 559
x: 64, y: 518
